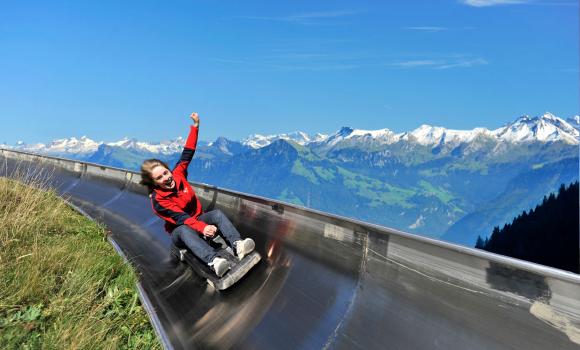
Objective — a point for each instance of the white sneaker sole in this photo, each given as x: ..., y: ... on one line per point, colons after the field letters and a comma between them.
x: 245, y: 247
x: 221, y: 267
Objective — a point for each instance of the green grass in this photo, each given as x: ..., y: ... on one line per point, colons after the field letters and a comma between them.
x: 325, y: 174
x: 304, y: 152
x: 376, y: 192
x: 442, y: 194
x: 62, y: 285
x: 449, y: 168
x: 299, y: 169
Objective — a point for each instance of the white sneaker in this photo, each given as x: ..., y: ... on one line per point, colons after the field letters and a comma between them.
x: 244, y: 247
x: 220, y: 266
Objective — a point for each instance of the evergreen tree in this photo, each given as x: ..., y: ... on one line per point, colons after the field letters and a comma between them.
x: 480, y: 244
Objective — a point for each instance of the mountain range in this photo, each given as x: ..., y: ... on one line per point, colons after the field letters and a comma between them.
x: 443, y: 183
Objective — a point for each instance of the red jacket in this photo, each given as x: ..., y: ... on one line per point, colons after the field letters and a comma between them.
x: 180, y: 205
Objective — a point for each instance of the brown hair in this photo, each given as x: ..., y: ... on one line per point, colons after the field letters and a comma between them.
x: 147, y: 169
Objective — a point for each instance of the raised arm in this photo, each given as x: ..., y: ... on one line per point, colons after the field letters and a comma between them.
x: 189, y: 148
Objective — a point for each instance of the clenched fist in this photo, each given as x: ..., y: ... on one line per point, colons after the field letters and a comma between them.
x: 195, y: 117
x: 209, y: 231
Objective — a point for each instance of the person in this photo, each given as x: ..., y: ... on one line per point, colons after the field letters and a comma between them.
x: 174, y: 200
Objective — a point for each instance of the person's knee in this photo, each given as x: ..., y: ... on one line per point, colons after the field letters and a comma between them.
x: 175, y: 234
x: 178, y: 231
x: 219, y: 213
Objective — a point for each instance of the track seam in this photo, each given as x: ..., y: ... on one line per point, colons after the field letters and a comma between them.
x: 362, y: 268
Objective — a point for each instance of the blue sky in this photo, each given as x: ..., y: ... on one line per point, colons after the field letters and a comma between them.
x: 109, y: 69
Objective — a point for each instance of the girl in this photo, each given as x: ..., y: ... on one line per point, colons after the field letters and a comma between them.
x: 174, y: 200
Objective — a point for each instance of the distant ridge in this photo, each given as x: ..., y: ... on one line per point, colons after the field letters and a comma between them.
x: 544, y: 128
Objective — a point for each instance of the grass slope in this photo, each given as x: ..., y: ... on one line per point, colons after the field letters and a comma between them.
x: 62, y: 285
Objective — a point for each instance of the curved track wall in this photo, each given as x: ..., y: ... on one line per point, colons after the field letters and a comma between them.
x: 325, y: 281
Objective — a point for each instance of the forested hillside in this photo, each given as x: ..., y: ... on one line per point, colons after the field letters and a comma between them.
x: 546, y: 235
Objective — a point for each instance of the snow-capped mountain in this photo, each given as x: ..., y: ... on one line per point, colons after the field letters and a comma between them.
x: 225, y: 147
x: 544, y: 128
x: 258, y: 141
x: 574, y: 121
x: 22, y: 146
x: 77, y: 147
x: 70, y: 146
x: 73, y: 145
x: 435, y: 135
x: 424, y: 135
x: 163, y: 147
x: 346, y: 134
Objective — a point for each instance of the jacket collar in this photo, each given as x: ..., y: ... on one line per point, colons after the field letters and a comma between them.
x: 165, y: 193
